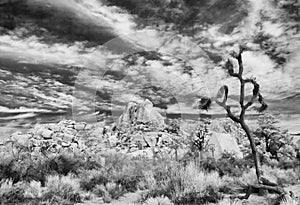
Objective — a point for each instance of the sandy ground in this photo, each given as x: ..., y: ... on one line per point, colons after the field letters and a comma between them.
x: 132, y: 198
x: 127, y: 199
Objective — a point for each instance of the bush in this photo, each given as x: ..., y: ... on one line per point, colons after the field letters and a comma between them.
x: 232, y: 185
x: 228, y: 165
x: 65, y: 188
x: 282, y: 176
x: 89, y: 179
x: 11, y: 193
x: 209, y: 165
x: 68, y: 163
x: 34, y: 190
x: 115, y: 190
x: 125, y: 170
x: 273, y: 141
x: 100, y: 191
x: 130, y: 183
x: 158, y: 201
x: 18, y: 163
x: 209, y: 195
x: 185, y: 186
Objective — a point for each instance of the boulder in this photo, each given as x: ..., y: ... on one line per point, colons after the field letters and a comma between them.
x: 143, y: 153
x: 151, y: 139
x: 113, y: 140
x: 47, y: 134
x: 80, y: 126
x: 220, y: 143
x: 68, y: 138
x: 24, y: 140
x: 140, y: 112
x: 21, y: 139
x: 296, y: 141
x: 66, y: 144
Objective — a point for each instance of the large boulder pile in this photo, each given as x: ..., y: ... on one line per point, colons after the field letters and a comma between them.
x: 81, y: 138
x: 141, y: 112
x: 51, y: 138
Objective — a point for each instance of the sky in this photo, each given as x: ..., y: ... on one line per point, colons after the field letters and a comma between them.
x: 60, y: 74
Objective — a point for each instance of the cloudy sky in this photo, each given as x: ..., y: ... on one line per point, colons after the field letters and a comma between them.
x: 78, y: 57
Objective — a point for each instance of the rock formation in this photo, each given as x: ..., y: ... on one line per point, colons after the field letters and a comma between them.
x: 140, y: 113
x: 51, y: 138
x: 81, y: 138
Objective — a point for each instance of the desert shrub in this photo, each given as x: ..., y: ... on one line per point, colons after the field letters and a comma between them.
x: 158, y: 201
x: 69, y: 162
x: 232, y: 185
x: 127, y: 171
x: 100, y: 191
x: 115, y: 161
x: 65, y: 188
x: 128, y: 174
x: 130, y: 183
x: 56, y: 200
x: 248, y: 177
x: 272, y: 142
x: 289, y: 164
x: 89, y: 179
x: 11, y: 193
x: 120, y: 174
x: 115, y: 190
x: 186, y: 185
x: 275, y: 174
x: 109, y: 191
x: 282, y: 176
x: 228, y: 165
x: 20, y: 163
x: 13, y: 163
x: 209, y: 195
x: 209, y: 165
x: 33, y: 190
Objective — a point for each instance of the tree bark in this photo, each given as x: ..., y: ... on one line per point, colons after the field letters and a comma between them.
x: 254, y: 150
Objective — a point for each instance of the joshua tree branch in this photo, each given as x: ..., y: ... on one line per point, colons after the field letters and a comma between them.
x: 228, y: 110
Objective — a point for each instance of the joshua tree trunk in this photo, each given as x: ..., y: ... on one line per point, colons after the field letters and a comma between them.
x: 253, y: 149
x: 221, y: 100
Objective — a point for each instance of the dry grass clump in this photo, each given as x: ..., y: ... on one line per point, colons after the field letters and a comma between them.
x: 34, y: 190
x: 11, y: 193
x: 186, y: 185
x: 158, y: 201
x: 283, y: 176
x: 65, y: 188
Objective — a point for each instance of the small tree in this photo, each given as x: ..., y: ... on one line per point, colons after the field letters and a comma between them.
x: 221, y: 100
x: 199, y: 138
x: 273, y: 140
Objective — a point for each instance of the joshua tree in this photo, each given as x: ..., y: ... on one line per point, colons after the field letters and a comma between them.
x: 221, y: 100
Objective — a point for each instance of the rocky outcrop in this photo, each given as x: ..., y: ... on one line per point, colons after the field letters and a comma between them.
x: 141, y: 113
x: 77, y: 137
x: 51, y: 138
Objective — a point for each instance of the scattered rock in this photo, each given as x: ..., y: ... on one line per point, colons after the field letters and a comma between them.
x: 65, y: 144
x: 151, y: 139
x: 47, y: 134
x: 143, y: 153
x: 80, y: 126
x: 68, y: 138
x: 24, y: 140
